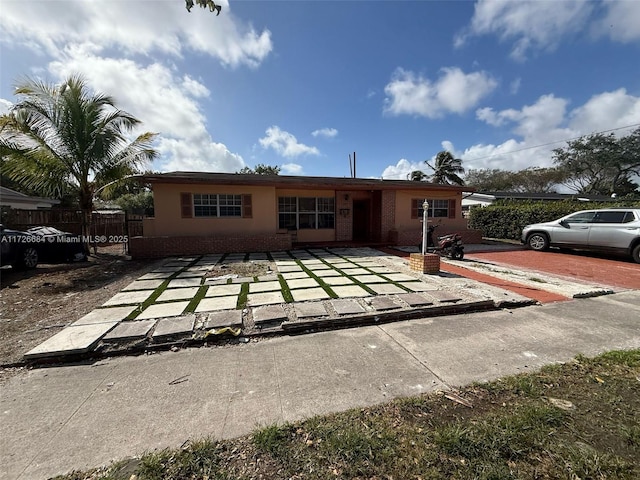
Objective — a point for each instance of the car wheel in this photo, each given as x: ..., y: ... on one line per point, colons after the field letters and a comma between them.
x: 538, y: 241
x: 635, y: 254
x: 28, y: 258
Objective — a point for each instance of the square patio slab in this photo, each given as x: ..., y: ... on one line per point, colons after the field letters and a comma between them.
x: 289, y: 268
x: 383, y: 303
x: 210, y: 304
x: 309, y: 294
x: 337, y: 281
x: 350, y: 291
x: 266, y: 298
x: 270, y: 277
x: 269, y: 314
x: 242, y: 280
x: 354, y: 271
x: 399, y: 277
x: 382, y: 270
x: 258, y: 256
x: 161, y: 310
x: 386, y: 289
x: 346, y: 306
x: 171, y: 294
x: 302, y: 283
x: 155, y: 276
x: 143, y: 285
x: 326, y: 273
x: 234, y: 257
x: 417, y: 286
x: 293, y: 275
x: 414, y: 299
x: 443, y: 296
x: 184, y: 282
x: 260, y: 287
x: 135, y: 297
x: 310, y: 309
x: 191, y: 274
x: 174, y: 326
x: 71, y: 340
x: 366, y: 279
x: 130, y: 330
x: 105, y: 315
x: 342, y: 265
x: 367, y: 264
x: 227, y: 318
x: 169, y: 270
x: 313, y: 261
x: 223, y: 290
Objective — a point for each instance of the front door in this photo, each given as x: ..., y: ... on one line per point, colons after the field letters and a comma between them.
x: 361, y: 220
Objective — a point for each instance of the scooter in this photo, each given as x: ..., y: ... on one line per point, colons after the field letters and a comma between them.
x: 448, y: 245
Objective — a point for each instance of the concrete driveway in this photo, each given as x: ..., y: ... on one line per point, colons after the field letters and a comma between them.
x: 601, y: 269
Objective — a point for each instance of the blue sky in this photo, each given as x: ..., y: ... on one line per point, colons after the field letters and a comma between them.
x: 301, y: 84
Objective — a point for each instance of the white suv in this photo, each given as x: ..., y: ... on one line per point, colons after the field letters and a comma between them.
x: 612, y: 229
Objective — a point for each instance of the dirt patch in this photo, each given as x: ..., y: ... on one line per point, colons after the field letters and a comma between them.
x: 241, y: 269
x: 37, y: 304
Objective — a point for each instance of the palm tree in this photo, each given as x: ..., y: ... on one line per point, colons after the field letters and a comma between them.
x: 446, y: 169
x: 61, y: 139
x: 417, y: 176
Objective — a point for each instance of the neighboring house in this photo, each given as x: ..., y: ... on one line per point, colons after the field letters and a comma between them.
x: 11, y: 198
x: 198, y: 212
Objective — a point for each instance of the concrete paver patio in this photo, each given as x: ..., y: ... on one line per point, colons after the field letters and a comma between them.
x: 180, y: 289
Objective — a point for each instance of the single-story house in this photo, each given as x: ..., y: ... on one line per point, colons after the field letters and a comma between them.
x: 12, y: 199
x: 197, y: 212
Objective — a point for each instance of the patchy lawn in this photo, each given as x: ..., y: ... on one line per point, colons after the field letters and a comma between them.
x: 580, y: 420
x: 37, y: 304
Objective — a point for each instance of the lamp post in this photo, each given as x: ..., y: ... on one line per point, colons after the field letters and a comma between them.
x: 425, y: 208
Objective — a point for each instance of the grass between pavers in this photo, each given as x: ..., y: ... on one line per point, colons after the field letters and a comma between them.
x: 243, y: 296
x: 580, y: 420
x: 158, y: 291
x: 286, y: 292
x: 321, y: 282
x: 200, y: 294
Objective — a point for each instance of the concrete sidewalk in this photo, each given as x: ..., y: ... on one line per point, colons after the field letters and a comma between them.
x: 79, y: 416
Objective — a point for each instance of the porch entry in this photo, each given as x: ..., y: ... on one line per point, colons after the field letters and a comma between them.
x: 367, y: 215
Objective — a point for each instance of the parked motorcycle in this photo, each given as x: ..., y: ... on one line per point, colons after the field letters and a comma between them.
x: 448, y: 245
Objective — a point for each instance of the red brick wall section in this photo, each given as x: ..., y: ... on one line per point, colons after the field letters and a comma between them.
x: 427, y: 263
x: 159, y: 247
x: 388, y: 221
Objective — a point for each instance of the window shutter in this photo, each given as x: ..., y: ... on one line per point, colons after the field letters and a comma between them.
x: 185, y: 205
x: 247, y: 207
x: 452, y: 208
x: 414, y: 208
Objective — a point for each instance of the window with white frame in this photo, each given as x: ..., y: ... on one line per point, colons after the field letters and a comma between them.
x: 438, y: 208
x: 217, y: 205
x: 296, y: 213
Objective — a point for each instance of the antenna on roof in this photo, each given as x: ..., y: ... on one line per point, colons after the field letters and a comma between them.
x: 352, y: 165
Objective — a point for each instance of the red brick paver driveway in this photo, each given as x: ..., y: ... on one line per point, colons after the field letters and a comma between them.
x: 612, y: 271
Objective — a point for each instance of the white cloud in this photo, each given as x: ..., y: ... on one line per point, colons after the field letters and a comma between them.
x: 135, y: 27
x: 453, y: 92
x: 325, y: 132
x: 291, y: 169
x: 531, y: 25
x: 285, y: 144
x: 166, y: 102
x: 538, y: 129
x: 402, y: 169
x: 5, y: 106
x: 514, y: 87
x: 621, y: 22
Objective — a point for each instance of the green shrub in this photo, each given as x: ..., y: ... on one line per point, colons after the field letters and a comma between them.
x: 506, y: 218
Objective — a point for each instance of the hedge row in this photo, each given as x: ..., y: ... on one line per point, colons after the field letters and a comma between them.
x: 506, y: 219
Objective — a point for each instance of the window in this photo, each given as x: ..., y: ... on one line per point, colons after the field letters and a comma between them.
x: 295, y: 213
x: 616, y: 216
x: 438, y: 208
x: 214, y: 205
x: 583, y: 217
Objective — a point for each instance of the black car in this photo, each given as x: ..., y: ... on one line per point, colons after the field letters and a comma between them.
x: 18, y: 249
x: 40, y: 245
